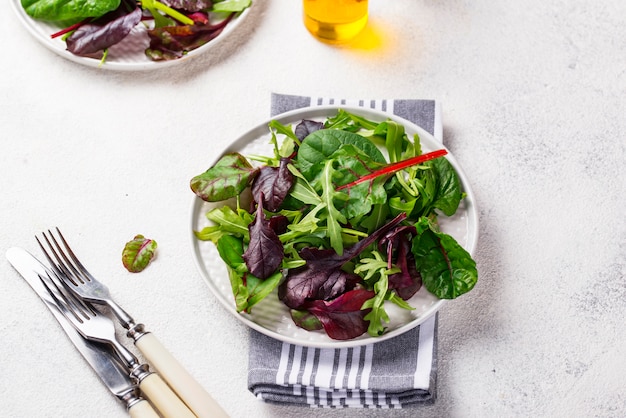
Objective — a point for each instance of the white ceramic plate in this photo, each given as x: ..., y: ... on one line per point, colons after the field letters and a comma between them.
x: 127, y: 55
x: 271, y: 317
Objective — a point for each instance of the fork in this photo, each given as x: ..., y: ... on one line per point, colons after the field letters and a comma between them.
x: 92, y: 325
x: 77, y: 278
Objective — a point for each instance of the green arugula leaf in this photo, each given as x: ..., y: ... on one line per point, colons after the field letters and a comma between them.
x: 334, y: 218
x: 376, y: 270
x: 229, y: 222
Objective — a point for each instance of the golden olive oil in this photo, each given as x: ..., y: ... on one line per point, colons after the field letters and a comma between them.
x: 335, y: 21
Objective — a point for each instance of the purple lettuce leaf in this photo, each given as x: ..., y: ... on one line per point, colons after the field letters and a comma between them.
x: 306, y: 127
x: 265, y: 251
x: 273, y: 184
x: 322, y: 278
x: 343, y: 318
x: 408, y: 281
x: 188, y: 5
x: 104, y: 32
x: 172, y: 42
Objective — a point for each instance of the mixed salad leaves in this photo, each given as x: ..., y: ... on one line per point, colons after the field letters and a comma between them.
x: 175, y: 27
x: 337, y: 226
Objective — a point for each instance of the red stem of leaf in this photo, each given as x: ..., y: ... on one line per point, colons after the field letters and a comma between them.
x: 395, y: 167
x: 69, y: 28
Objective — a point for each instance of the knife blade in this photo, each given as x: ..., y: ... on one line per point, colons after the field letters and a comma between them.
x: 100, y: 357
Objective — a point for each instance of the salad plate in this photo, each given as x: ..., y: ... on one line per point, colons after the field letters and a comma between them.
x: 270, y: 316
x: 127, y: 55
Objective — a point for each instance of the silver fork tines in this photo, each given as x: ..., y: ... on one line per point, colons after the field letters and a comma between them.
x: 90, y: 323
x: 78, y: 279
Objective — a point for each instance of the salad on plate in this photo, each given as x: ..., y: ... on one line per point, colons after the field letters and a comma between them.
x: 160, y: 30
x: 340, y: 222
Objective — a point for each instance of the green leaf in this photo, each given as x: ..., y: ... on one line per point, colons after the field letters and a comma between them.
x: 353, y: 164
x: 306, y: 320
x: 68, y: 10
x: 321, y: 144
x: 376, y: 268
x: 447, y: 270
x: 231, y: 5
x: 230, y: 176
x: 229, y: 222
x: 248, y: 290
x: 448, y: 195
x: 334, y: 217
x: 138, y: 253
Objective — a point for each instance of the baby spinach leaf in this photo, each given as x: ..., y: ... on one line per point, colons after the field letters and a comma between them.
x: 351, y: 165
x: 231, y: 175
x: 68, y: 10
x: 138, y: 253
x: 449, y: 193
x: 321, y: 144
x: 447, y: 269
x: 265, y: 251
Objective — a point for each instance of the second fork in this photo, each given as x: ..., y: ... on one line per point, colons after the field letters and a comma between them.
x: 92, y: 325
x: 84, y: 285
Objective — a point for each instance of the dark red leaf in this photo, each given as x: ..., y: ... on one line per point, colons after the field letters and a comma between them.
x: 172, y: 42
x: 307, y: 127
x: 265, y: 251
x: 342, y: 318
x: 397, y: 244
x: 322, y: 277
x: 103, y: 32
x: 273, y: 183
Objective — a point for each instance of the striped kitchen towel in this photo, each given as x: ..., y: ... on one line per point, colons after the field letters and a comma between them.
x: 394, y: 373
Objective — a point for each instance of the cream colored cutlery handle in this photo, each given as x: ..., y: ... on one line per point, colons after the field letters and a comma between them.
x: 189, y: 390
x: 142, y: 409
x: 163, y: 399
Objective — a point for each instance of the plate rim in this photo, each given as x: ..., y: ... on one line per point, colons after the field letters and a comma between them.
x: 31, y: 25
x: 323, y: 111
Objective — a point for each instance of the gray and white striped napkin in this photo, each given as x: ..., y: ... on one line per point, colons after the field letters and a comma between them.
x: 395, y: 373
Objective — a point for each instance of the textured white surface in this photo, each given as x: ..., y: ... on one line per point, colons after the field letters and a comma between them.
x: 533, y: 95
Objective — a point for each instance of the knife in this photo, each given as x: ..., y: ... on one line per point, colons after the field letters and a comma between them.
x: 112, y: 373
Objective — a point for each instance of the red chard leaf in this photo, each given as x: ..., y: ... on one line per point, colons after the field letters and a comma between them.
x: 138, y: 253
x: 230, y: 176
